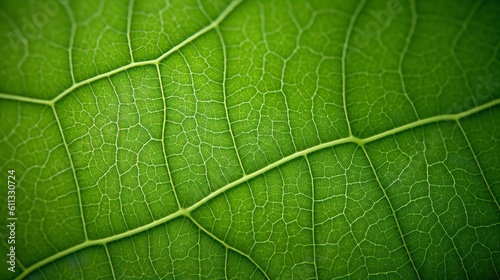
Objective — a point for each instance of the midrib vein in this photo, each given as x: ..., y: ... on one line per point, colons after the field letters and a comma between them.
x: 186, y: 211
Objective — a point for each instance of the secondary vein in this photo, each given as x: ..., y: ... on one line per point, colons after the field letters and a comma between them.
x: 187, y: 211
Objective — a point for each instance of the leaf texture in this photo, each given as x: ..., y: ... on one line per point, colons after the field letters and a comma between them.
x: 251, y: 139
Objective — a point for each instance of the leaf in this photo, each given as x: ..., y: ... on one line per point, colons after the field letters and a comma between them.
x: 251, y: 139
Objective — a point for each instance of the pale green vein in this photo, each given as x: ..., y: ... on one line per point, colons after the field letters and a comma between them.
x: 73, y: 170
x: 313, y: 220
x: 99, y: 77
x: 227, y: 245
x: 149, y: 246
x: 199, y: 251
x: 438, y: 118
x: 71, y: 17
x: 98, y: 242
x: 413, y: 10
x: 164, y: 151
x: 344, y: 58
x: 187, y: 211
x: 196, y: 111
x: 233, y: 139
x: 393, y: 212
x: 25, y: 99
x: 110, y: 262
x: 116, y: 166
x: 129, y: 24
x: 190, y: 39
x: 225, y: 263
x: 477, y: 163
x: 462, y: 31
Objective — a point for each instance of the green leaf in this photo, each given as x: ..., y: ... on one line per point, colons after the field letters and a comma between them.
x: 250, y: 139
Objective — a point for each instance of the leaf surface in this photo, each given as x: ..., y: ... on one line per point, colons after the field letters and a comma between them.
x: 251, y: 139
